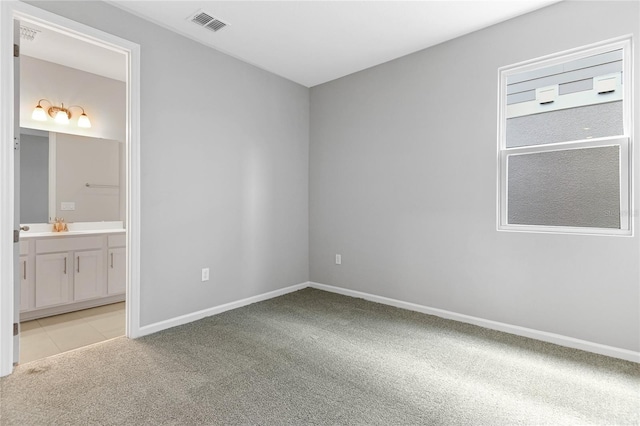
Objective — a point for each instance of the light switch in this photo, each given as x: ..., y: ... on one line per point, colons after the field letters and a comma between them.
x: 67, y: 205
x: 205, y: 274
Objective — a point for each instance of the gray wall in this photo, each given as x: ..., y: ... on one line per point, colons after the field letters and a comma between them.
x: 224, y: 170
x: 101, y: 97
x: 34, y: 179
x: 403, y: 185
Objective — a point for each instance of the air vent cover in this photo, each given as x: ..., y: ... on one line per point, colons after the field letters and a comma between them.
x: 28, y: 33
x: 207, y: 21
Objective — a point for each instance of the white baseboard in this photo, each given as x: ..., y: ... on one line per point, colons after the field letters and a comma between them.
x: 544, y: 336
x: 493, y: 325
x: 195, y: 316
x: 70, y: 307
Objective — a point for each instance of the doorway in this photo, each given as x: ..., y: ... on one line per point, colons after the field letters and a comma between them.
x: 39, y: 19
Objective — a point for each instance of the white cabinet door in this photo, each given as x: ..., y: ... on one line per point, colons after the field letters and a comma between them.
x: 52, y: 279
x: 88, y: 275
x: 26, y: 283
x: 116, y: 281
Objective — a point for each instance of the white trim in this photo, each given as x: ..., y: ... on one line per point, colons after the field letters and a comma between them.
x: 564, y: 146
x: 71, y: 307
x: 10, y: 9
x: 544, y: 336
x: 6, y: 189
x: 195, y: 316
x: 133, y: 219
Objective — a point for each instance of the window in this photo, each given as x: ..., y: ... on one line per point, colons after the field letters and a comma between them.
x: 564, y: 142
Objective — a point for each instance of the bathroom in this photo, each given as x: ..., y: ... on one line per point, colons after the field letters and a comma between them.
x: 72, y: 193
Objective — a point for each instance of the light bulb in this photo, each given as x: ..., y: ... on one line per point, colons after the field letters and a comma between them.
x: 83, y: 121
x: 39, y: 114
x: 61, y: 117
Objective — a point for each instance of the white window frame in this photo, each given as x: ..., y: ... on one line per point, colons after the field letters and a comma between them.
x: 624, y: 141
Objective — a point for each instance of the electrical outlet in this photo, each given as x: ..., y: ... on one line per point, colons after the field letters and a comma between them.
x: 338, y: 259
x: 205, y: 274
x: 67, y: 205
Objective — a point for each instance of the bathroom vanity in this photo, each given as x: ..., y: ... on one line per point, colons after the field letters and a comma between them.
x: 81, y: 179
x: 68, y: 271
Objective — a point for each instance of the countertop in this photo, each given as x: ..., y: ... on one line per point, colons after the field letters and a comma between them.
x: 79, y: 229
x: 29, y: 235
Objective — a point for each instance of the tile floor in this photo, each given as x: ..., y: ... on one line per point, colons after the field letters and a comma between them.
x: 61, y: 333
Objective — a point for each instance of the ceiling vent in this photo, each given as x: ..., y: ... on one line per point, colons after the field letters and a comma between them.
x: 207, y: 21
x: 28, y: 33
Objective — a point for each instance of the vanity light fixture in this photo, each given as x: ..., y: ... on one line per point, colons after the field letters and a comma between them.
x: 60, y: 114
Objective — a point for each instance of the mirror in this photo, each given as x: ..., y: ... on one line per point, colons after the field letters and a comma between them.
x: 75, y: 177
x: 34, y: 176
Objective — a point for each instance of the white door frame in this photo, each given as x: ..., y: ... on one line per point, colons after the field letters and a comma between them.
x: 10, y: 10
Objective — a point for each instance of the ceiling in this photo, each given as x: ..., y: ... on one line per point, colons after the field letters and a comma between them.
x: 312, y: 42
x: 309, y: 42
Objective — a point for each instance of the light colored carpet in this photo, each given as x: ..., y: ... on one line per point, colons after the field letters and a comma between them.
x: 313, y: 357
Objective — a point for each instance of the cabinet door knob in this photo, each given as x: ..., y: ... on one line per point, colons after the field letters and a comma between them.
x: 24, y: 228
x: 78, y: 258
x: 111, y: 260
x: 65, y: 264
x: 24, y: 269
